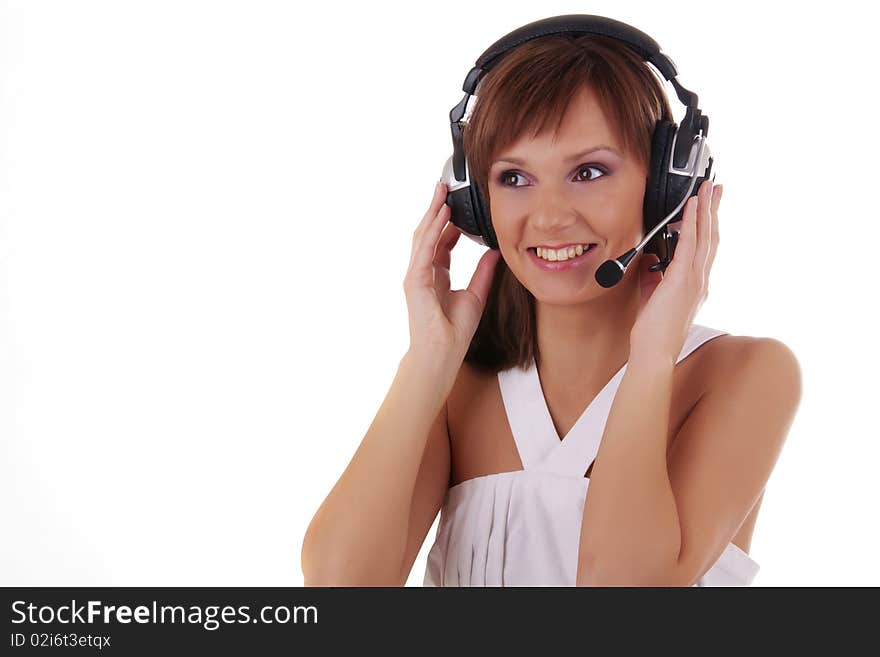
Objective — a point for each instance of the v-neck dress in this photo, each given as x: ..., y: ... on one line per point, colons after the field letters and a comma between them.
x: 522, y: 528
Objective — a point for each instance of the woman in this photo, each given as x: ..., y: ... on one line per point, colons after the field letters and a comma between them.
x: 536, y: 384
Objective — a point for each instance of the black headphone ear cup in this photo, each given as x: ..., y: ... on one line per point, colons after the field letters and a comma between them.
x: 462, y: 212
x: 656, y: 186
x: 484, y: 218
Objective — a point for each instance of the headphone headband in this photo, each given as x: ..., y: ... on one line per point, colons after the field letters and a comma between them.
x: 638, y: 41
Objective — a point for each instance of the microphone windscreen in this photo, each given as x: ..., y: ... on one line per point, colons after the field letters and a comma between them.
x: 609, y: 273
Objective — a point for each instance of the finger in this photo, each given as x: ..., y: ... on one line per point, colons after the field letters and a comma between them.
x: 716, y: 201
x: 425, y: 239
x: 704, y: 229
x: 431, y: 234
x: 683, y: 259
x: 442, y: 257
x: 481, y: 280
x: 421, y: 268
x: 436, y: 201
x: 438, y: 198
x: 448, y: 239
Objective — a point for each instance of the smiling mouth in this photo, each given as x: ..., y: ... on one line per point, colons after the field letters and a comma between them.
x: 553, y: 255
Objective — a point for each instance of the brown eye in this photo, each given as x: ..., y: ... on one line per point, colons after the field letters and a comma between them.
x: 588, y: 167
x: 506, y: 175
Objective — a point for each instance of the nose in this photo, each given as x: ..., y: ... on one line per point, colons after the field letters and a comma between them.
x: 552, y: 214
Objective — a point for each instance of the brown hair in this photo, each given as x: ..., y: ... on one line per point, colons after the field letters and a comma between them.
x: 531, y: 86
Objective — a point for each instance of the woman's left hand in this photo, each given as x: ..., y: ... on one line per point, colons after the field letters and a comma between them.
x: 670, y: 299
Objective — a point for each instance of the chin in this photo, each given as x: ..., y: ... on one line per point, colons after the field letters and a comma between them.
x: 565, y: 294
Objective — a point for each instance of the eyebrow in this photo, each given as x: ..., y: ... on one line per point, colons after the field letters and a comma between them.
x: 570, y: 158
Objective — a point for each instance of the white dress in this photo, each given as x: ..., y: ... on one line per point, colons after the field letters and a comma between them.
x: 522, y: 528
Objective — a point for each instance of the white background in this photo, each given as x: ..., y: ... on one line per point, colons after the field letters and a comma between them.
x: 206, y: 211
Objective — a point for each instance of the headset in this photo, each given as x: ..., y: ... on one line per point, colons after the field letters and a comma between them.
x: 680, y: 155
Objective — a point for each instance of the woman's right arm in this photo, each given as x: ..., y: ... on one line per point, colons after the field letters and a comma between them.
x: 361, y: 533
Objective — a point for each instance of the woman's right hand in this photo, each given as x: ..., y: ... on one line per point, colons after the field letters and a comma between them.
x: 441, y: 319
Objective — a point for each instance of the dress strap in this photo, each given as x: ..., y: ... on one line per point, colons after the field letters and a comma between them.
x: 575, y: 454
x: 526, y: 413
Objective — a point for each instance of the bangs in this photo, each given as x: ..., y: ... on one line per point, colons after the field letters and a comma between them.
x: 530, y: 90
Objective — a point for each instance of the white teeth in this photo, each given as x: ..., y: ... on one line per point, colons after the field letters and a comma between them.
x: 554, y: 255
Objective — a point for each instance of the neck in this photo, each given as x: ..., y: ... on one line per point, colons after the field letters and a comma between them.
x: 580, y: 343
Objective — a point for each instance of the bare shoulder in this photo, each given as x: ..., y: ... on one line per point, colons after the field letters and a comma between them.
x: 475, y: 413
x: 470, y: 387
x: 732, y: 358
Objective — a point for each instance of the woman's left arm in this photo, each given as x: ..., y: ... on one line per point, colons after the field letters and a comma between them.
x: 663, y: 520
x: 657, y: 520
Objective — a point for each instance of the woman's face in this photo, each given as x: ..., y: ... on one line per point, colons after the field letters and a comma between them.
x: 546, y: 194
